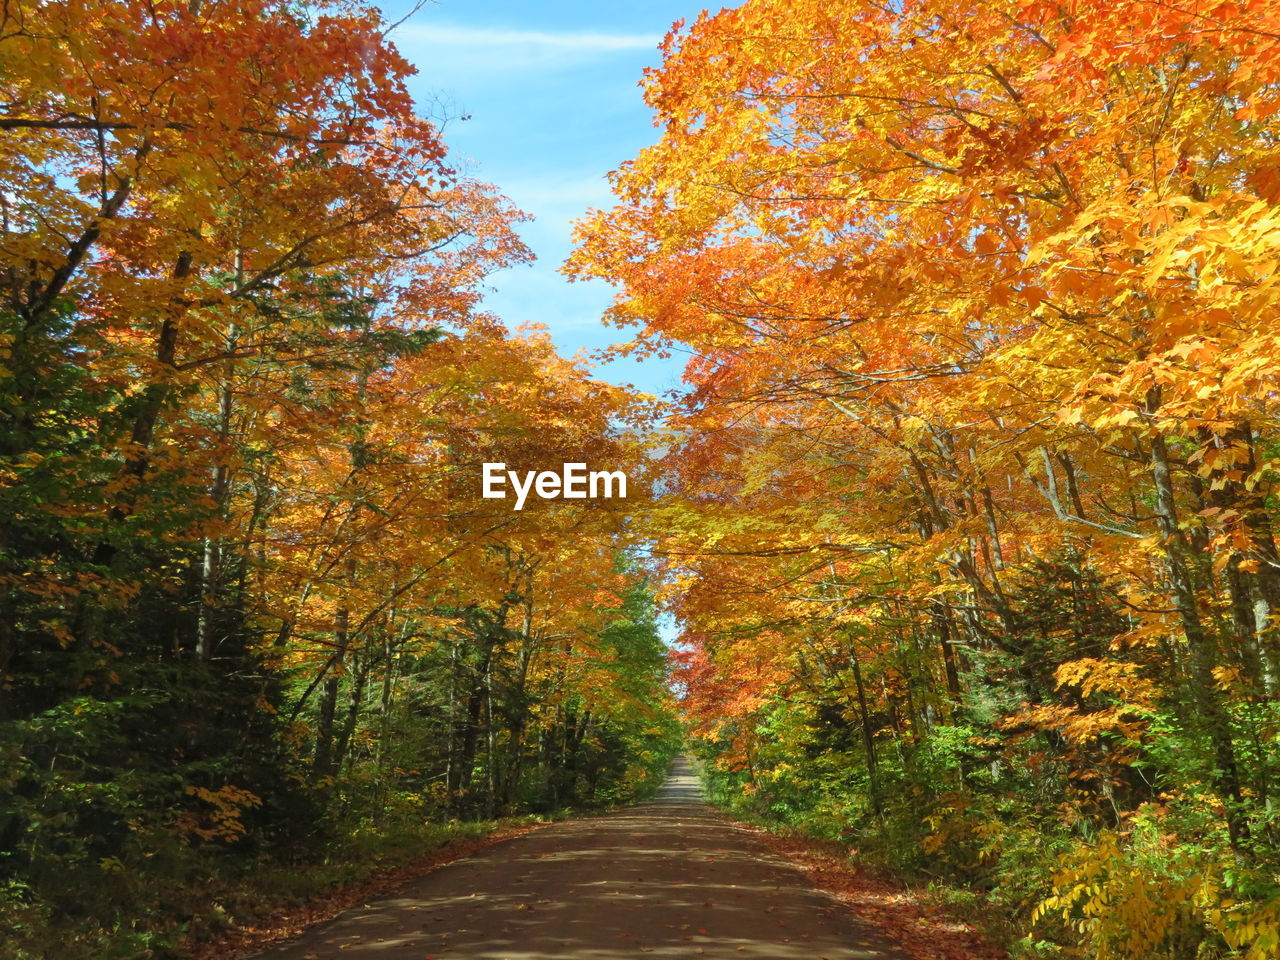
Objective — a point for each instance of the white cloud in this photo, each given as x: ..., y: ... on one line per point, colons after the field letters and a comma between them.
x: 555, y: 198
x: 481, y: 37
x: 475, y: 59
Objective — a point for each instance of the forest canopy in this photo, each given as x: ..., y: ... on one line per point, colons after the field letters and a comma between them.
x: 966, y: 510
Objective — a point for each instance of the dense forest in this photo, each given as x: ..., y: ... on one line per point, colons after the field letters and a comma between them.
x: 255, y: 617
x: 967, y: 508
x: 972, y: 517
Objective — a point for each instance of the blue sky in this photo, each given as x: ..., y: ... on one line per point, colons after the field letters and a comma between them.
x: 551, y: 92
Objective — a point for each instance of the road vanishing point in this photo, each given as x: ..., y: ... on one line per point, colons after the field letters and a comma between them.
x: 667, y: 880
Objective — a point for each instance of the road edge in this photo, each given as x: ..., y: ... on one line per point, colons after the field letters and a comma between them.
x: 921, y: 928
x: 241, y: 942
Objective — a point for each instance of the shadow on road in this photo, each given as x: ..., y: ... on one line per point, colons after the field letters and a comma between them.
x: 666, y: 879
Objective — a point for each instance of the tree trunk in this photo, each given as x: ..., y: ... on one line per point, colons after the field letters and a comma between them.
x: 324, y: 754
x: 1202, y: 649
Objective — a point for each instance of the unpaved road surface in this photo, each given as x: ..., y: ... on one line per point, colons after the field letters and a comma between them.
x: 663, y: 880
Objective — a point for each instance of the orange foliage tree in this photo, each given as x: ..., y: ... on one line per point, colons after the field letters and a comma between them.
x: 251, y: 599
x: 976, y: 463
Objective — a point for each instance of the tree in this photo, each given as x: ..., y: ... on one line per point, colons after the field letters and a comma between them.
x: 246, y: 577
x: 976, y: 457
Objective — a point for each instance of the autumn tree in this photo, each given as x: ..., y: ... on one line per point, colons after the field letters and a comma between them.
x: 978, y: 448
x: 246, y: 579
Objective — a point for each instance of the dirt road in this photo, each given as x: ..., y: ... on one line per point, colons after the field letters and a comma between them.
x: 669, y: 879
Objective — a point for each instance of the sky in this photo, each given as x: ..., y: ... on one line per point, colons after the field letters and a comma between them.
x: 549, y: 89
